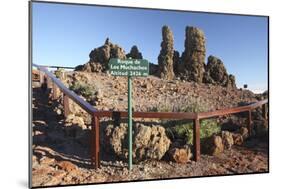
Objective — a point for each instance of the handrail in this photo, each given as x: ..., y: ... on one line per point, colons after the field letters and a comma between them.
x: 64, y: 67
x: 203, y: 115
x: 82, y: 103
x: 164, y: 115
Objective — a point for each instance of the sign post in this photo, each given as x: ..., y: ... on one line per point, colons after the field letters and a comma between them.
x: 129, y: 68
x: 130, y: 146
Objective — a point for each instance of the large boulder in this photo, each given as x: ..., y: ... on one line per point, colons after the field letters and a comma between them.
x: 213, y: 145
x: 180, y: 155
x: 193, y: 57
x: 165, y: 58
x: 134, y: 53
x: 149, y: 142
x: 215, y: 73
x: 99, y: 57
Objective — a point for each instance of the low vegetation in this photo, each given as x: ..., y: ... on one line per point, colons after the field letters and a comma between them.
x: 83, y: 89
x: 183, y: 104
x: 182, y: 129
x: 59, y: 72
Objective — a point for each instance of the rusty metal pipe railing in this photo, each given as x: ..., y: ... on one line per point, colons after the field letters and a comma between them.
x: 96, y: 114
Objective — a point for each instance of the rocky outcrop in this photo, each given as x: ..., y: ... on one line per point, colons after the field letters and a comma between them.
x: 153, y: 69
x: 148, y: 142
x: 176, y: 63
x: 99, y: 57
x: 193, y: 57
x: 216, y: 73
x: 165, y: 58
x: 134, y: 53
x: 190, y: 66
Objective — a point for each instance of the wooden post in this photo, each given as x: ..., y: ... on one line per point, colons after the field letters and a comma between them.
x: 95, y: 142
x: 249, y: 122
x: 196, y: 139
x: 66, y: 105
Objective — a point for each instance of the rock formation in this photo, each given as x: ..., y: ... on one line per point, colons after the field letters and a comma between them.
x: 216, y: 73
x: 165, y: 58
x: 153, y: 69
x: 149, y: 142
x: 176, y: 62
x: 134, y: 53
x: 190, y: 66
x: 99, y: 57
x: 193, y: 57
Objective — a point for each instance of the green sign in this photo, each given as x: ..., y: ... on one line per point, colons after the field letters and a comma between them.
x: 129, y: 67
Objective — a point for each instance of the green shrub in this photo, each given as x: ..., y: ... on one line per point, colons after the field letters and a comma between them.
x: 184, y: 131
x: 83, y: 89
x: 58, y: 73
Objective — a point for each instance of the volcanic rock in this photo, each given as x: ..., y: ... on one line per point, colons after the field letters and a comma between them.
x: 180, y: 155
x: 237, y: 139
x: 165, y: 58
x: 153, y: 69
x: 99, y: 57
x: 227, y: 139
x: 134, y: 53
x: 213, y: 145
x: 148, y: 142
x: 67, y: 166
x: 193, y: 57
x: 216, y: 73
x: 176, y: 62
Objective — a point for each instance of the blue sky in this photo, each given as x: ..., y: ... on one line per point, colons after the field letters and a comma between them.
x: 65, y: 34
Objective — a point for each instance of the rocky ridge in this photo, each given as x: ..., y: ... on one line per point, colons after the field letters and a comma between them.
x: 190, y: 66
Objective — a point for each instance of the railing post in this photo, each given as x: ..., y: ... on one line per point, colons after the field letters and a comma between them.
x: 196, y: 139
x: 249, y: 122
x: 95, y: 143
x: 66, y: 105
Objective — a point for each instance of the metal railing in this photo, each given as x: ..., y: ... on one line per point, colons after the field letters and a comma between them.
x: 117, y: 115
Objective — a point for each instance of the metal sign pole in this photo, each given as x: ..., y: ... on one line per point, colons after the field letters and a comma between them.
x: 130, y: 163
x: 129, y: 68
